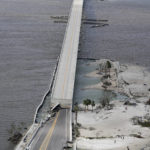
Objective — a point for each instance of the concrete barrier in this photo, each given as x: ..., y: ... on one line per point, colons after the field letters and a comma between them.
x: 31, y: 133
x: 28, y: 136
x: 48, y: 92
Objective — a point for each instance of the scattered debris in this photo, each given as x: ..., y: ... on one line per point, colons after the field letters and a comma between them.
x: 93, y: 22
x: 143, y: 121
x: 16, y: 132
x: 136, y: 135
x: 148, y: 102
x: 129, y: 103
x: 132, y: 81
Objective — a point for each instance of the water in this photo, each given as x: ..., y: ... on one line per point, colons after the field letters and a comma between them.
x: 29, y: 45
x: 125, y: 39
x: 81, y: 93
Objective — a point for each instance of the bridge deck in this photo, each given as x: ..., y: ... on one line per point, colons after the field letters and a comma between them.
x: 53, y: 135
x: 65, y: 77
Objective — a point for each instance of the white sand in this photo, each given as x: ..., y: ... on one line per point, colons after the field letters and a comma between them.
x: 101, y: 128
x: 110, y: 144
x: 110, y: 124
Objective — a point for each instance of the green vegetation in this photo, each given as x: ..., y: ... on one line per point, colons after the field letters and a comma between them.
x: 108, y: 64
x: 148, y: 102
x: 107, y: 68
x: 76, y: 132
x: 102, y: 137
x: 144, y: 123
x: 88, y: 102
x: 93, y: 104
x: 106, y: 83
x: 16, y: 132
x: 76, y: 109
x: 105, y: 102
x: 136, y: 135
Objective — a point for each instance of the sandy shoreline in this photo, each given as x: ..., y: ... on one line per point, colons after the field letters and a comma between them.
x: 114, y: 129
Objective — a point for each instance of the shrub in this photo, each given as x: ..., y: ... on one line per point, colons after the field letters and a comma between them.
x: 105, y: 102
x: 77, y: 132
x: 144, y: 123
x: 15, y: 132
x: 107, y: 83
x: 91, y: 128
x: 148, y: 102
x: 136, y: 135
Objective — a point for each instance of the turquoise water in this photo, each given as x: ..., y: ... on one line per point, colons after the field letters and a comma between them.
x: 80, y: 93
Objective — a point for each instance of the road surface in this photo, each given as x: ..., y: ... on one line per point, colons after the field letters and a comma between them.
x: 65, y: 77
x: 54, y: 134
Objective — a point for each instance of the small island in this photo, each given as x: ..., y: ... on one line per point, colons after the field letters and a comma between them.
x: 118, y: 124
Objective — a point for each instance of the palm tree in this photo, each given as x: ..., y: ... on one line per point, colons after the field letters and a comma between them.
x: 85, y: 103
x: 93, y: 104
x: 108, y: 66
x: 76, y: 109
x: 88, y: 102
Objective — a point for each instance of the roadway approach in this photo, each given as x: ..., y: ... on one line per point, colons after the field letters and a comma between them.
x: 55, y: 133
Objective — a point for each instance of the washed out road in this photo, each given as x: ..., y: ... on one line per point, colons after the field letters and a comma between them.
x: 54, y: 133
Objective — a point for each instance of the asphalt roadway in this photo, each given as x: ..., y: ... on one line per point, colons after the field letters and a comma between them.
x: 65, y: 77
x: 54, y: 134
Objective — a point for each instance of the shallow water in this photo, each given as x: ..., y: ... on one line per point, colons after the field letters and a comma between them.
x: 81, y: 93
x: 29, y: 45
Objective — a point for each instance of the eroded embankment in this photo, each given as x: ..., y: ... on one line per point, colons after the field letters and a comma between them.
x: 41, y: 115
x: 44, y: 108
x: 119, y: 123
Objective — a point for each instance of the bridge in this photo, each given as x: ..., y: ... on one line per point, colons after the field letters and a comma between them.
x: 65, y: 77
x: 56, y: 132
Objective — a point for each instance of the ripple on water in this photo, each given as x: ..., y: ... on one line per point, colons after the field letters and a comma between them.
x: 84, y: 67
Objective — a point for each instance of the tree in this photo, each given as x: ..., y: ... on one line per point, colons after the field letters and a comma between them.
x: 108, y: 66
x: 105, y: 101
x: 93, y: 104
x: 76, y: 109
x: 87, y: 102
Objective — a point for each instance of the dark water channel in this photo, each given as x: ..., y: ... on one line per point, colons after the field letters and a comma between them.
x: 29, y: 45
x: 127, y: 36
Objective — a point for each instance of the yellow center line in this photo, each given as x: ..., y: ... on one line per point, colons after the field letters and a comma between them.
x: 50, y: 132
x: 47, y: 139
